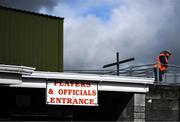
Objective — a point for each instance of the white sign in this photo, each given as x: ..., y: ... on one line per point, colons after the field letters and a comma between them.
x: 72, y: 93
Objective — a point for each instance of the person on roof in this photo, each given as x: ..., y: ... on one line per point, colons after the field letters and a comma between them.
x: 161, y: 65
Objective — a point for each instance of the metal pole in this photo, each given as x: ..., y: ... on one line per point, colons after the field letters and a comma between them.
x: 120, y: 62
x: 117, y: 57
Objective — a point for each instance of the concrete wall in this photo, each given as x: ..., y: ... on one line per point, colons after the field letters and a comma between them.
x: 135, y: 109
x: 162, y: 103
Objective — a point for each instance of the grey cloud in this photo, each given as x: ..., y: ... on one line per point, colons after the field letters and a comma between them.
x: 33, y: 5
x: 135, y: 28
x: 138, y: 28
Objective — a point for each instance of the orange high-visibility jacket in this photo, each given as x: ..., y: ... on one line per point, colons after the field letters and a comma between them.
x: 160, y: 65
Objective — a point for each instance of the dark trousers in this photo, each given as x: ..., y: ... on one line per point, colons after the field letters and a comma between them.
x: 158, y: 74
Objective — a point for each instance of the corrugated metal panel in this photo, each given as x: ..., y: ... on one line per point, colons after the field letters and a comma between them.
x: 31, y: 40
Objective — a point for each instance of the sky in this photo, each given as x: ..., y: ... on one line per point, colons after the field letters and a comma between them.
x: 94, y: 30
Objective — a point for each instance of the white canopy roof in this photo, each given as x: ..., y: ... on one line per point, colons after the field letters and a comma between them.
x: 20, y: 76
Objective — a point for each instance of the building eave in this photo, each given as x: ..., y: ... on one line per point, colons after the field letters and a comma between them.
x: 89, y: 77
x: 26, y: 77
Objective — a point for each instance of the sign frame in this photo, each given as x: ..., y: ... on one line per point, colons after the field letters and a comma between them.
x: 95, y: 83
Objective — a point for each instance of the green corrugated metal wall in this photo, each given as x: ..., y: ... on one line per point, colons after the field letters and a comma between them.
x: 31, y: 40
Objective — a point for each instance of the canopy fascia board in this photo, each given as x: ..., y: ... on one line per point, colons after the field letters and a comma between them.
x: 89, y: 77
x: 26, y: 77
x: 101, y: 87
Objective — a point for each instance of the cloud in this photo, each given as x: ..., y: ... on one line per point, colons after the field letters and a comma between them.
x: 95, y: 30
x: 139, y: 29
x: 32, y: 5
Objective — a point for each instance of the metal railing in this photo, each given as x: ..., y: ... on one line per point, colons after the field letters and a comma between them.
x: 171, y: 76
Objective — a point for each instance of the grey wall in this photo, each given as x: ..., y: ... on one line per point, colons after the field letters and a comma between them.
x: 162, y: 103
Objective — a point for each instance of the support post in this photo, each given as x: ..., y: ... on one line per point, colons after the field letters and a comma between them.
x: 117, y: 58
x: 139, y: 107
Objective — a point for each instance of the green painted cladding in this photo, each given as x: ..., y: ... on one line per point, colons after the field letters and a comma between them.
x: 31, y: 40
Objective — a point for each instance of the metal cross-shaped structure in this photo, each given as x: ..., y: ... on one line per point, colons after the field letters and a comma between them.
x: 118, y: 62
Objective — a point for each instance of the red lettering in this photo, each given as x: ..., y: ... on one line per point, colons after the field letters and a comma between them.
x: 69, y: 101
x: 89, y: 92
x: 52, y: 100
x: 74, y: 92
x: 81, y: 101
x: 83, y: 84
x: 77, y: 84
x: 77, y: 92
x: 60, y: 91
x: 63, y: 100
x: 65, y: 91
x: 93, y: 93
x: 58, y: 100
x: 55, y: 83
x: 91, y: 101
x: 84, y: 92
x: 85, y: 101
x: 50, y: 91
x: 81, y: 92
x: 66, y: 84
x: 72, y: 101
x: 75, y: 101
x: 69, y: 91
x: 61, y: 83
x: 72, y: 83
x: 88, y: 84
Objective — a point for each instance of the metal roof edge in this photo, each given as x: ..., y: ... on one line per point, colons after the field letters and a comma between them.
x: 91, y: 77
x: 16, y: 69
x: 30, y: 12
x: 101, y: 87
